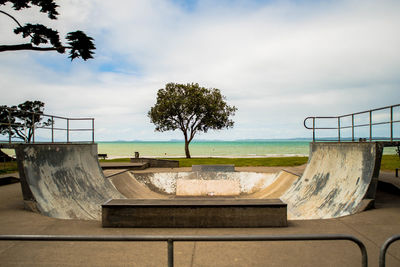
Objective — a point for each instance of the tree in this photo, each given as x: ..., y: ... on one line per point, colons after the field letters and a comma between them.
x: 21, y: 120
x: 78, y: 44
x: 191, y: 109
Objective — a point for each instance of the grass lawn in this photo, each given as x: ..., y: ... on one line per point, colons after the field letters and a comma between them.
x: 389, y: 162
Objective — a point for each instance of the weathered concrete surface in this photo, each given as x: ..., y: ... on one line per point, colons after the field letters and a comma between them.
x: 166, y: 182
x: 283, y: 181
x: 63, y: 180
x: 214, y: 168
x: 194, y: 212
x: 336, y: 179
x: 127, y: 185
x: 207, y: 187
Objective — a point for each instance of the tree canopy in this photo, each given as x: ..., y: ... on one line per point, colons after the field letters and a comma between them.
x: 78, y: 43
x: 21, y: 120
x: 191, y: 109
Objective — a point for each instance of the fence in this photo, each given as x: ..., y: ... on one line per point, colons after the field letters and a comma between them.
x: 171, y: 239
x: 337, y: 124
x: 23, y: 125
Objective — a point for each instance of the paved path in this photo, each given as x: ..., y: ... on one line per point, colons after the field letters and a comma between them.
x: 371, y: 227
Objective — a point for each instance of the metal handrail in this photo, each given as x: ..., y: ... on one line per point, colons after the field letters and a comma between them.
x: 170, y: 239
x: 52, y: 128
x: 338, y: 126
x: 384, y: 248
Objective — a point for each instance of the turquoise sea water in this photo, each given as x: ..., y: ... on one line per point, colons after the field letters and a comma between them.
x: 205, y: 148
x: 210, y: 148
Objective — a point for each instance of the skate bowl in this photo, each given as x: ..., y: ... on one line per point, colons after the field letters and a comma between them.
x: 65, y: 181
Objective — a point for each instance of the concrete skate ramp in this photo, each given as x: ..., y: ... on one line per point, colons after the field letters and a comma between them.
x: 127, y: 185
x: 63, y: 180
x: 336, y: 179
x: 283, y: 181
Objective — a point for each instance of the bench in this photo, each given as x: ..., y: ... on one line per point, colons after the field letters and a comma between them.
x: 104, y: 156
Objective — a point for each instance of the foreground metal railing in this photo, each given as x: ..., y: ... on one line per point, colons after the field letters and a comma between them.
x: 384, y: 248
x: 337, y: 121
x: 170, y: 239
x: 30, y: 122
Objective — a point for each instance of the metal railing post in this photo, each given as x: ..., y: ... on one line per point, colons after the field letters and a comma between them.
x: 67, y: 130
x: 92, y: 130
x: 52, y: 129
x: 370, y: 125
x: 352, y: 127
x: 391, y: 123
x: 33, y: 128
x: 339, y: 129
x: 9, y: 127
x: 313, y: 129
x: 170, y: 253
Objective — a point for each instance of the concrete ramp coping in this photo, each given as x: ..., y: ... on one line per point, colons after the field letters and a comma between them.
x: 213, y: 168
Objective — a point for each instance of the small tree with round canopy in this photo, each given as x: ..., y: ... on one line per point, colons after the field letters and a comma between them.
x: 191, y: 109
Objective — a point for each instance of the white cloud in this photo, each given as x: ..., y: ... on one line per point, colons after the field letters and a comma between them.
x: 278, y: 62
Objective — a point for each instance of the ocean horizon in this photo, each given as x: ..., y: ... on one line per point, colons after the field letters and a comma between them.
x: 210, y: 148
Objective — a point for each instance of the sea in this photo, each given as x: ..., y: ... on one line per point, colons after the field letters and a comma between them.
x: 242, y: 149
x: 171, y: 149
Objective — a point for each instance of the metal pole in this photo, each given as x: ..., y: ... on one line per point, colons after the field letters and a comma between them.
x: 9, y: 127
x: 67, y: 130
x: 352, y: 127
x: 33, y: 128
x: 313, y: 129
x: 370, y: 125
x: 170, y: 253
x: 391, y: 123
x: 52, y: 129
x: 92, y: 130
x: 338, y: 129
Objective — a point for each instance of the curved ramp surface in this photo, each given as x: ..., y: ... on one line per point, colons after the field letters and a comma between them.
x: 131, y: 188
x: 335, y: 181
x: 63, y: 180
x: 284, y: 180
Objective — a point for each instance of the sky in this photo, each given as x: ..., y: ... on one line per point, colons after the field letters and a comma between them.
x: 278, y: 62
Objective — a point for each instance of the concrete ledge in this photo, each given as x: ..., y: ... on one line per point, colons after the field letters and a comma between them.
x: 157, y: 163
x: 213, y: 168
x: 192, y: 212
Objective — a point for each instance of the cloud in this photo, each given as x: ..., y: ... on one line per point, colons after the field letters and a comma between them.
x: 277, y: 61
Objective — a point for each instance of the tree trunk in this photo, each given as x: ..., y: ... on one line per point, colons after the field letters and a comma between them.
x: 187, y: 149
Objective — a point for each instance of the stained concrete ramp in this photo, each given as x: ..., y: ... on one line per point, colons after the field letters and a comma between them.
x: 336, y: 179
x: 127, y: 184
x: 283, y: 181
x: 63, y: 180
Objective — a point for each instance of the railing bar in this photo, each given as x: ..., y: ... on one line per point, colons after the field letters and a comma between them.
x: 384, y: 248
x: 170, y: 239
